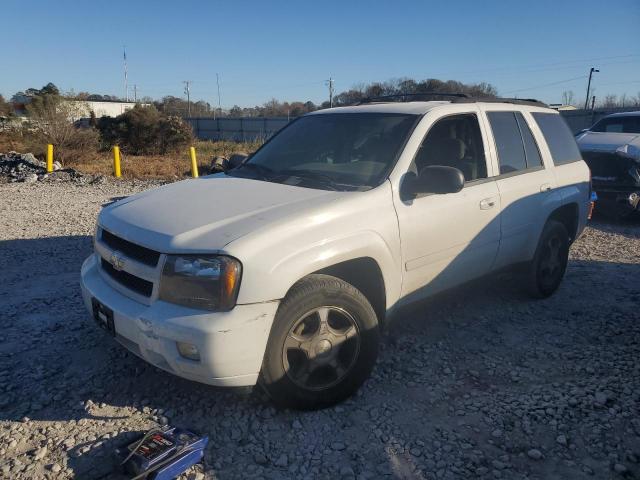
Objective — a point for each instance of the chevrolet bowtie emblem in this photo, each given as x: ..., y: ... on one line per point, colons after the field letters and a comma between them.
x: 117, y: 260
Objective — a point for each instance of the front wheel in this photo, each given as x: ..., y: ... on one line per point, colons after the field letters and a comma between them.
x: 323, y: 344
x: 547, y: 268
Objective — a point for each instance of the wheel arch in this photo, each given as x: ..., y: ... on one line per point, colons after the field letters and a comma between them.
x: 365, y: 274
x: 568, y: 215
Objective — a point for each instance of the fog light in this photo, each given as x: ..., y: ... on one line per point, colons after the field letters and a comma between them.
x: 188, y: 350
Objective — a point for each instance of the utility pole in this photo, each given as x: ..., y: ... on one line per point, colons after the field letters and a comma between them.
x: 330, y: 84
x: 135, y: 93
x: 126, y: 87
x: 187, y: 84
x: 586, y: 100
x: 219, y: 104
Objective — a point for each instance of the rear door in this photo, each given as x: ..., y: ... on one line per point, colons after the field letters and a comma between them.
x: 525, y: 181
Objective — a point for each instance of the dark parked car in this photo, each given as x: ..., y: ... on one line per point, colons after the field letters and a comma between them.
x: 611, y: 148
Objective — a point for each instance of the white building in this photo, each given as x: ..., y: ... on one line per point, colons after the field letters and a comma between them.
x: 101, y: 109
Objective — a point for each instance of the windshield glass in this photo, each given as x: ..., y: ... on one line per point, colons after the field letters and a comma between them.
x: 335, y: 151
x: 621, y: 124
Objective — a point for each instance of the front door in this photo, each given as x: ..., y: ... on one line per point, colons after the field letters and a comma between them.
x: 450, y: 238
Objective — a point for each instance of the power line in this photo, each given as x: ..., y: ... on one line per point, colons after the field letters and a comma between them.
x: 535, y: 67
x: 619, y: 83
x: 547, y: 84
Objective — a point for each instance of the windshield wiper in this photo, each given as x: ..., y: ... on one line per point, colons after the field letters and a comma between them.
x: 318, y: 177
x: 265, y: 173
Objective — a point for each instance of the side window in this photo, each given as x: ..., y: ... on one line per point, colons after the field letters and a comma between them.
x: 506, y: 132
x: 454, y: 141
x: 561, y: 142
x: 530, y: 146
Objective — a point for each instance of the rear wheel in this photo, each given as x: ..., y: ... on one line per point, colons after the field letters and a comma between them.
x: 549, y: 264
x: 323, y: 344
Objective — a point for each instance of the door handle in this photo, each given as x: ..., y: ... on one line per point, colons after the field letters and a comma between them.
x: 487, y: 203
x: 545, y: 187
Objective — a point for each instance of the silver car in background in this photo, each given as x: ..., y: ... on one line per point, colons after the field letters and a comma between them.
x: 611, y: 148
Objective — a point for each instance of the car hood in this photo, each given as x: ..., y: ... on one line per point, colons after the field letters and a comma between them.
x: 205, y: 214
x: 606, y: 141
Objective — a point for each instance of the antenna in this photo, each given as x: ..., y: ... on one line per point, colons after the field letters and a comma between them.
x: 126, y: 87
x: 329, y: 83
x: 187, y: 83
x: 219, y: 105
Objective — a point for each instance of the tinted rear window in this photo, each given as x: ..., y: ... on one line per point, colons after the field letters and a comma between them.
x: 506, y: 132
x: 530, y: 145
x: 561, y: 142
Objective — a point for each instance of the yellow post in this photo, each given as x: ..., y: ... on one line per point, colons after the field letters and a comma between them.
x: 49, y: 158
x: 116, y: 161
x: 194, y: 162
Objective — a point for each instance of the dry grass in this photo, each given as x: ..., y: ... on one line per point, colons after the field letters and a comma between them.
x: 169, y: 166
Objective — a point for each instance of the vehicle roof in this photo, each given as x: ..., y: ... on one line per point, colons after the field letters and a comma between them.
x: 414, y: 107
x: 624, y: 114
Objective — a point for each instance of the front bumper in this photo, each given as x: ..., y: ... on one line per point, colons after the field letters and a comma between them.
x: 622, y: 201
x: 231, y: 344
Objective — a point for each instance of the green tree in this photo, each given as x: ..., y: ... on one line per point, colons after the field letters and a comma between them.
x: 145, y: 130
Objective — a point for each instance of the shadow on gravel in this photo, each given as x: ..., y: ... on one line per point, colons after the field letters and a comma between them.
x: 55, y: 365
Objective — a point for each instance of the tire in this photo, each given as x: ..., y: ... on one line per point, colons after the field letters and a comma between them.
x: 546, y: 270
x: 322, y: 346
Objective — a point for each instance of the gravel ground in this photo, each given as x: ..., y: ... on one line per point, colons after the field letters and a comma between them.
x: 479, y: 383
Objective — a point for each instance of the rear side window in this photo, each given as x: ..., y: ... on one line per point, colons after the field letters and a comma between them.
x: 530, y: 146
x: 508, y: 139
x: 561, y: 142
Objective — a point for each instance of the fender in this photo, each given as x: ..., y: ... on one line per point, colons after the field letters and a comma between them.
x: 276, y: 258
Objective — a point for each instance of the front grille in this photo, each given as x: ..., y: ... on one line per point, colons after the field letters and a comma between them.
x: 132, y: 282
x: 136, y: 252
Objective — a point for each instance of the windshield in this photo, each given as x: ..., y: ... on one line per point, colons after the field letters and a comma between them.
x: 334, y: 151
x: 621, y: 124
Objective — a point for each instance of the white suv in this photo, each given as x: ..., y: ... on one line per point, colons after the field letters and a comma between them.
x: 283, y: 270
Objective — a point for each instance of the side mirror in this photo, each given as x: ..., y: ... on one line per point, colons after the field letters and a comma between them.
x: 436, y: 179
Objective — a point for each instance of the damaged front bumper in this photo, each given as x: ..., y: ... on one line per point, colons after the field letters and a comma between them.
x: 616, y: 179
x: 618, y: 201
x: 231, y: 344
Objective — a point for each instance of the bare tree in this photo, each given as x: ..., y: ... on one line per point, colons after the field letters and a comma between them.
x: 567, y: 97
x: 52, y: 116
x: 609, y: 101
x: 623, y: 100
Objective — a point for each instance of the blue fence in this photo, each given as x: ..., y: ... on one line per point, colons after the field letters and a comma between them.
x: 249, y: 129
x: 246, y: 129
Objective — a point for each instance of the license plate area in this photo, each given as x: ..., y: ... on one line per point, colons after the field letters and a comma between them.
x: 103, y: 316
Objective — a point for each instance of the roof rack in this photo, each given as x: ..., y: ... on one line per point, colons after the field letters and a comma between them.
x: 516, y: 101
x: 410, y: 97
x: 454, y: 96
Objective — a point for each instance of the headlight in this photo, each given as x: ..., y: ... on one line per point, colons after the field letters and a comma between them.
x: 199, y: 281
x: 629, y: 151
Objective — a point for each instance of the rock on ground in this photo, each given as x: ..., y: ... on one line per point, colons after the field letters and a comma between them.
x: 469, y: 385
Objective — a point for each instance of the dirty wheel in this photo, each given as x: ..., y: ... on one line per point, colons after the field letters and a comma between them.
x: 323, y: 344
x: 547, y: 269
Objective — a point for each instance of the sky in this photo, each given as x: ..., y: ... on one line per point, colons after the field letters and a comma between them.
x: 287, y: 50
